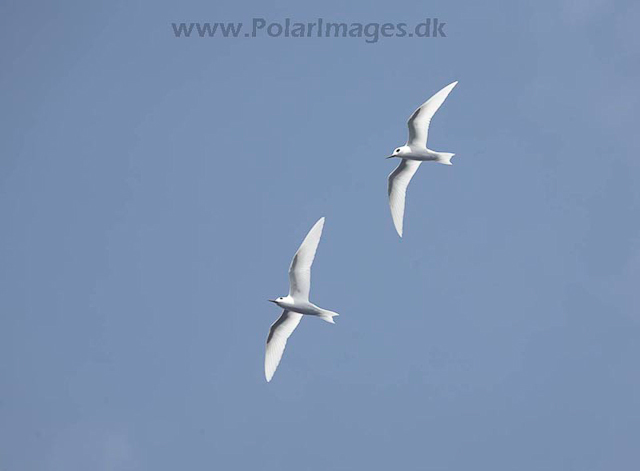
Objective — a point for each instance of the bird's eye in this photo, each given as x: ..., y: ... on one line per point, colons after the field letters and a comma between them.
x: 397, y: 150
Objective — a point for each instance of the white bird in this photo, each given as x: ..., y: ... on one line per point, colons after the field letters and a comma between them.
x: 413, y: 153
x: 296, y: 303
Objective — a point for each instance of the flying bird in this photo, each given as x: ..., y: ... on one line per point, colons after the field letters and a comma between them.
x: 413, y: 153
x: 296, y: 303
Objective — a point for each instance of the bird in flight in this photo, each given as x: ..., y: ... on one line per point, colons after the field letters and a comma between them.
x: 413, y: 153
x: 296, y: 304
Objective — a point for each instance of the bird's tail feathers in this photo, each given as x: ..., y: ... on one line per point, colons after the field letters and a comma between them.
x: 445, y: 158
x: 328, y: 316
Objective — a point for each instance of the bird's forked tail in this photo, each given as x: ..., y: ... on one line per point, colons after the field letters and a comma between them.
x: 444, y: 158
x: 328, y: 316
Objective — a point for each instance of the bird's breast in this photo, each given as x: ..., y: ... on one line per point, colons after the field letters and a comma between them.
x: 420, y: 156
x: 299, y: 307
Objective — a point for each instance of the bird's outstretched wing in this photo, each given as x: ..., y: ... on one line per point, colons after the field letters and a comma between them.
x: 279, y: 332
x: 398, y: 181
x: 419, y: 121
x: 300, y: 269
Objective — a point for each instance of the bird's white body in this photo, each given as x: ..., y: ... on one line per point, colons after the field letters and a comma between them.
x: 413, y: 153
x: 422, y: 154
x: 296, y: 304
x: 302, y: 306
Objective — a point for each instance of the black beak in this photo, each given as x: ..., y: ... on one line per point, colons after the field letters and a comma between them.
x: 271, y: 300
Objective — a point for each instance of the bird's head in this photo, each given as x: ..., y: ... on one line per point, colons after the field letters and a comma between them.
x: 279, y: 300
x: 399, y: 152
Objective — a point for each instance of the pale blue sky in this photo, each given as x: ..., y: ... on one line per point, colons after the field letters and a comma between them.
x: 153, y: 191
